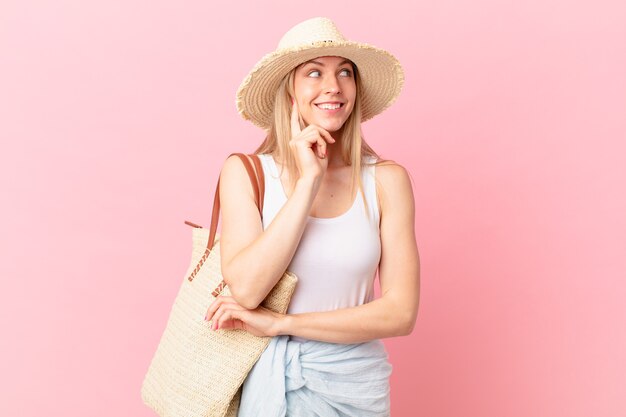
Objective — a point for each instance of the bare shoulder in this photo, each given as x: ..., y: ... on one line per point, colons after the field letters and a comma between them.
x: 234, y: 178
x: 391, y: 170
x: 233, y: 166
x: 393, y: 186
x: 241, y: 220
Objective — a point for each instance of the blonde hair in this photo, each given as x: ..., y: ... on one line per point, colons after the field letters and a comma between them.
x: 354, y: 149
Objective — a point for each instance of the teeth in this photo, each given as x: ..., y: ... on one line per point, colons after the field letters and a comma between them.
x: 329, y: 106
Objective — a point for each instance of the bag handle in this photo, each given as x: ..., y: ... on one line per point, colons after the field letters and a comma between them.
x: 258, y: 185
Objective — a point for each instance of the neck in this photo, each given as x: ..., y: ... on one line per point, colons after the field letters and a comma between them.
x: 333, y: 151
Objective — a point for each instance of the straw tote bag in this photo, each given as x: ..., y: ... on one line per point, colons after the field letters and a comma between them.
x: 197, y: 371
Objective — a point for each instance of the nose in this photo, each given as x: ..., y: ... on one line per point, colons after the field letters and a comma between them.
x: 331, y: 85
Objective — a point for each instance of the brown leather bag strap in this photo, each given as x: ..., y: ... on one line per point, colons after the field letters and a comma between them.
x: 261, y: 182
x: 258, y: 185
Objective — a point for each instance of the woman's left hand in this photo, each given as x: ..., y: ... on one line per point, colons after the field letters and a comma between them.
x: 226, y: 313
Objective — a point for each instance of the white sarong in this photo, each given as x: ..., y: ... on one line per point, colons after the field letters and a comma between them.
x: 313, y: 378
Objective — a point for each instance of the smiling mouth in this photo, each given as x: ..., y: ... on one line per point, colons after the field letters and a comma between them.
x: 330, y: 109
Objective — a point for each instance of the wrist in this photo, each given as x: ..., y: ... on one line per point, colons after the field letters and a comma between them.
x: 306, y: 189
x: 284, y: 325
x: 308, y: 183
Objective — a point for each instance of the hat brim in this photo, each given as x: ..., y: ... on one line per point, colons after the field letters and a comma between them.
x: 381, y: 75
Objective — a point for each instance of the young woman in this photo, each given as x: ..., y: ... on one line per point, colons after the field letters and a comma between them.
x: 333, y: 214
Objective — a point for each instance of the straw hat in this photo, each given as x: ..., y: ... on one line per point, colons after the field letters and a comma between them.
x: 381, y: 74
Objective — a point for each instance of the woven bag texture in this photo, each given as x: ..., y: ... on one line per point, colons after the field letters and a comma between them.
x: 197, y: 371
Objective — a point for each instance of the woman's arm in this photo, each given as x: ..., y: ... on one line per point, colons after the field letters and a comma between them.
x: 254, y: 260
x: 395, y: 312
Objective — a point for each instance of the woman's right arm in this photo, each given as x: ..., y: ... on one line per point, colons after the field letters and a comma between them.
x: 253, y: 260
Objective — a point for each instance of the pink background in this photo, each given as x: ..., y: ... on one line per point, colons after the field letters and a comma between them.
x: 115, y: 118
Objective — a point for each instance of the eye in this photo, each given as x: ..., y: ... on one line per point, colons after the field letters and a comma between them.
x: 349, y: 73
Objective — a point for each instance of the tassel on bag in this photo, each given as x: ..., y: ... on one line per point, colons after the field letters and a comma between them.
x: 196, y: 371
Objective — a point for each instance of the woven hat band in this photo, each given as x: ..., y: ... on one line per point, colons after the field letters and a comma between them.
x: 311, y: 31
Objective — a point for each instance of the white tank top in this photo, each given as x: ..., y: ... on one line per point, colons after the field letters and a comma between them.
x: 337, y: 258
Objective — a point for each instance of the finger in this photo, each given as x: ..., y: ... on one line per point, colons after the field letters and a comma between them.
x: 224, y: 308
x: 216, y: 318
x: 312, y: 139
x: 216, y: 304
x: 231, y: 315
x: 295, y: 122
x: 321, y: 140
x: 321, y: 146
x: 233, y: 324
x: 326, y: 134
x: 223, y: 321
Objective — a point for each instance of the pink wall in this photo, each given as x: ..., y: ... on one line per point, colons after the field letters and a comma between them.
x: 115, y: 118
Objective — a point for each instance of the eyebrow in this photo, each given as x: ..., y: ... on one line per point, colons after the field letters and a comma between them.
x: 345, y: 61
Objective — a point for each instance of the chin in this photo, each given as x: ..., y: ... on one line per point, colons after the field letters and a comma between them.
x: 329, y: 125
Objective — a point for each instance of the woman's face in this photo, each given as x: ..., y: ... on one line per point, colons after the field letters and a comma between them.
x: 330, y: 80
